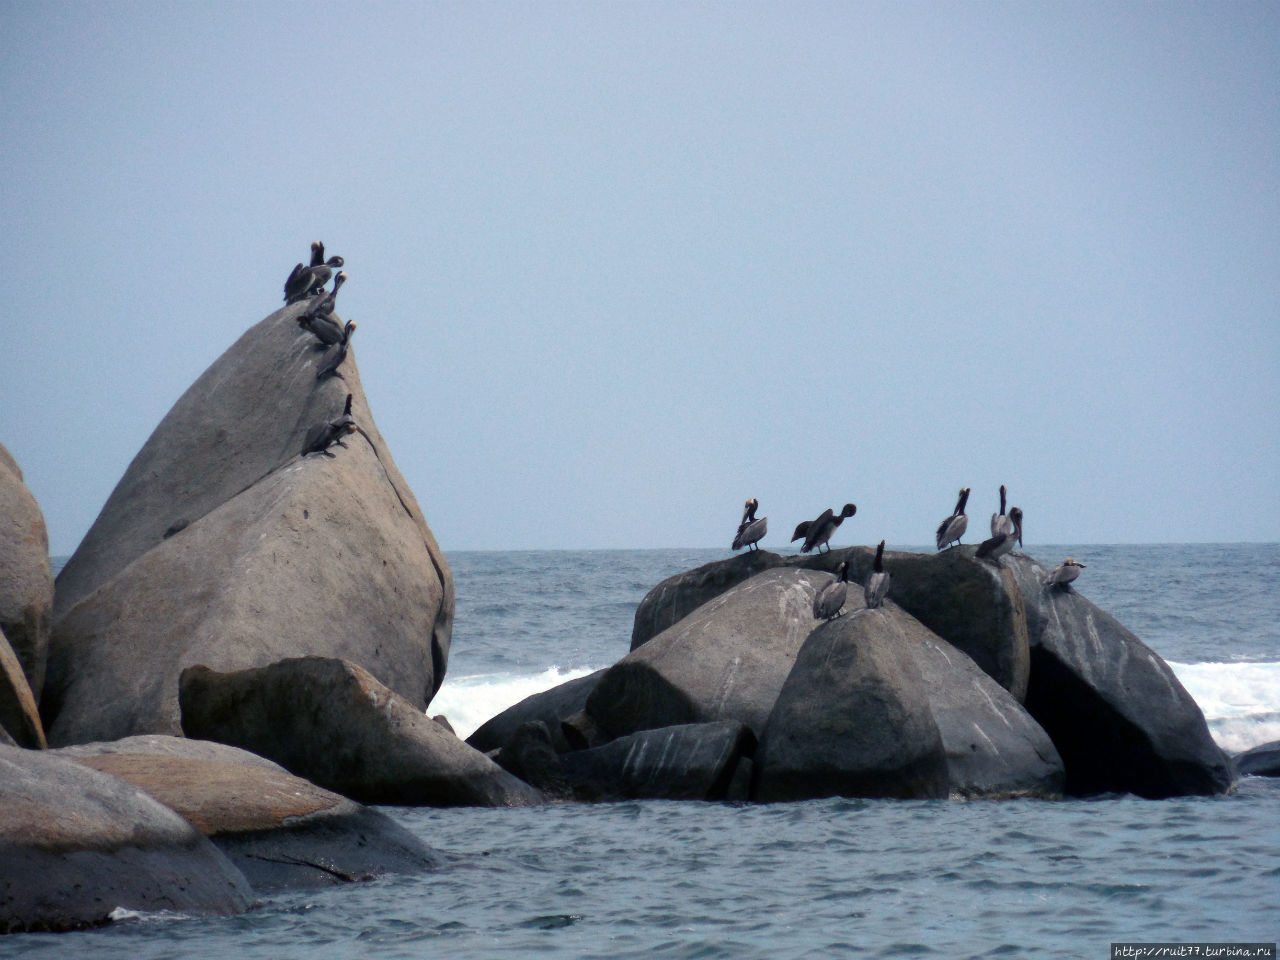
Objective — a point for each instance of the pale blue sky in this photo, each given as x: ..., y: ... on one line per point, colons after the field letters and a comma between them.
x: 619, y: 266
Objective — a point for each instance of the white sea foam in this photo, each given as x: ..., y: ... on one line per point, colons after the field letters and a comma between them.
x: 470, y: 701
x: 1241, y: 701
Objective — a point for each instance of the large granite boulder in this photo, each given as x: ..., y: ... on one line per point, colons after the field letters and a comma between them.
x: 19, y: 717
x: 278, y: 829
x: 223, y: 545
x: 76, y: 844
x: 1115, y: 710
x: 549, y: 707
x: 853, y: 718
x: 726, y: 660
x: 26, y: 580
x: 1260, y: 761
x: 331, y: 722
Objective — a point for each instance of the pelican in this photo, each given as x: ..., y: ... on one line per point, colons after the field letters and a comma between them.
x: 828, y: 601
x: 324, y: 435
x: 319, y: 318
x: 333, y: 359
x: 952, y: 529
x: 1002, y: 543
x: 750, y: 530
x: 1063, y: 574
x: 819, y: 531
x: 309, y: 281
x: 878, y: 583
x: 1000, y: 522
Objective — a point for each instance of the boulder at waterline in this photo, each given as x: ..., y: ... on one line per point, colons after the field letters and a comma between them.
x: 331, y: 722
x: 1116, y: 712
x: 222, y: 545
x: 551, y: 707
x: 76, y: 844
x: 530, y: 755
x: 1260, y: 761
x: 685, y: 762
x: 278, y: 829
x: 726, y: 660
x: 19, y: 717
x: 853, y: 719
x: 26, y: 580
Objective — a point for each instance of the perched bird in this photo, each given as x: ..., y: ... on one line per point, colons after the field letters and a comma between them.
x: 319, y: 318
x: 877, y: 584
x: 310, y: 280
x: 828, y: 601
x: 1002, y: 543
x: 750, y: 530
x: 952, y: 529
x: 324, y: 435
x: 1063, y: 574
x: 1000, y: 522
x: 337, y: 353
x: 819, y: 531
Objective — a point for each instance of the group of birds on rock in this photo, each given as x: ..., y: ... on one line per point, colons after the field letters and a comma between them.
x: 318, y: 318
x: 1006, y: 532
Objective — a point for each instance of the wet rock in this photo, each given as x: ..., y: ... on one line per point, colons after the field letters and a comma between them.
x: 726, y: 660
x: 278, y: 829
x: 551, y: 707
x: 331, y: 722
x: 222, y: 545
x: 76, y: 844
x: 685, y: 762
x: 1260, y: 761
x: 853, y: 718
x: 1116, y: 712
x: 530, y: 755
x: 26, y: 580
x: 19, y: 718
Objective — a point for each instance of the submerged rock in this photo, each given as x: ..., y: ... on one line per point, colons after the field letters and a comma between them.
x: 223, y: 545
x: 76, y: 844
x: 26, y: 580
x: 278, y: 829
x: 334, y: 724
x: 1260, y: 761
x: 1116, y: 712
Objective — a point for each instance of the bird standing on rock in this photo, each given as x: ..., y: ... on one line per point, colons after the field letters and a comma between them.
x: 877, y: 584
x: 819, y: 531
x: 750, y: 531
x: 333, y: 359
x: 1000, y: 522
x: 310, y: 280
x: 828, y: 601
x: 1063, y: 574
x: 952, y: 529
x: 324, y: 435
x: 319, y: 318
x: 997, y: 546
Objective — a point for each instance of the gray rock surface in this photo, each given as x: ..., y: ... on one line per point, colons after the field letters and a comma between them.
x: 1260, y: 761
x: 19, y: 717
x: 222, y: 545
x: 853, y: 718
x: 726, y: 660
x: 334, y: 724
x: 76, y: 844
x: 278, y: 829
x: 550, y: 707
x: 1116, y: 712
x: 26, y: 581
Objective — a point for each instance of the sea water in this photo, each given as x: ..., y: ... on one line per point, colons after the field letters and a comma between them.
x: 844, y: 878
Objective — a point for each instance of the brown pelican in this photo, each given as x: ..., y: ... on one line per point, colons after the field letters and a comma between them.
x: 1000, y: 522
x: 819, y: 531
x: 750, y: 530
x: 1002, y: 543
x: 309, y: 281
x: 952, y: 529
x: 1063, y: 574
x: 333, y: 359
x: 828, y: 601
x: 319, y: 318
x: 324, y: 435
x: 877, y: 584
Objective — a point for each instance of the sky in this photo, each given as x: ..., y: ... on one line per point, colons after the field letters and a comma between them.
x: 618, y: 267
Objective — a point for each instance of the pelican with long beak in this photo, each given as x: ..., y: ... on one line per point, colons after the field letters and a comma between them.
x: 877, y: 584
x: 308, y: 281
x: 1063, y: 574
x: 828, y: 601
x: 1000, y: 522
x: 819, y: 531
x: 952, y: 529
x: 319, y: 318
x: 750, y: 531
x: 1002, y: 543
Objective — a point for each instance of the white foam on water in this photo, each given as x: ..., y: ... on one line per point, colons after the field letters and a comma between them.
x: 469, y: 701
x: 1240, y: 701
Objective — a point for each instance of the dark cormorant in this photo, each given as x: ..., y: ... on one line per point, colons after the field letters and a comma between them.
x: 333, y: 359
x: 319, y: 318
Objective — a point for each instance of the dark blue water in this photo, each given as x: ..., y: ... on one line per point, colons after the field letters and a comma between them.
x: 825, y: 878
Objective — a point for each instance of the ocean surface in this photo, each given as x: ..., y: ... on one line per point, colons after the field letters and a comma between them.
x: 831, y: 878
